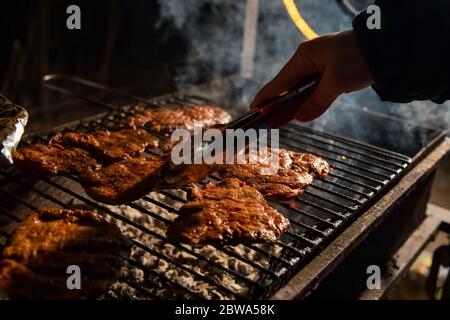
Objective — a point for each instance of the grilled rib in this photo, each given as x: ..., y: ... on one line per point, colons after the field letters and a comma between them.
x: 166, y: 120
x: 54, y: 159
x: 35, y: 261
x: 296, y: 171
x: 109, y: 146
x: 229, y: 212
x: 124, y: 181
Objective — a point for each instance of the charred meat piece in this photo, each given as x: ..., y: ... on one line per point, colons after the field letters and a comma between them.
x: 166, y: 120
x: 168, y: 144
x: 229, y: 212
x: 109, y: 146
x: 315, y: 165
x: 185, y: 174
x: 295, y: 172
x: 54, y: 159
x: 35, y: 262
x: 124, y: 181
x: 284, y: 184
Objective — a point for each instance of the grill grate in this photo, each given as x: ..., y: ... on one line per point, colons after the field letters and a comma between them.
x: 159, y: 269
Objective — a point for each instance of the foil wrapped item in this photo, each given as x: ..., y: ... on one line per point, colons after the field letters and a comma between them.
x: 13, y: 119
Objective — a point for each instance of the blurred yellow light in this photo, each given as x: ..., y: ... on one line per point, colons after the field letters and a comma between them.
x: 300, y: 23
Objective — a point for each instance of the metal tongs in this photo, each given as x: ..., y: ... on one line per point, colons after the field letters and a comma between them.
x: 274, y: 114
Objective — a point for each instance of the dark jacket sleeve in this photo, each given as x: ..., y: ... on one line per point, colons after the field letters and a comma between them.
x: 410, y: 55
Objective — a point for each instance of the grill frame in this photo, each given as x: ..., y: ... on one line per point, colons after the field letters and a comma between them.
x: 277, y: 280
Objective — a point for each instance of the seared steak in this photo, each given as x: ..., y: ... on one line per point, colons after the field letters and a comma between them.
x: 229, y: 212
x: 296, y: 171
x: 315, y: 165
x: 109, y: 146
x: 124, y: 181
x: 54, y: 159
x: 34, y: 263
x: 166, y: 120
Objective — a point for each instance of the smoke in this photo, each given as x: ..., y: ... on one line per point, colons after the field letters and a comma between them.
x: 214, y: 29
x: 384, y: 127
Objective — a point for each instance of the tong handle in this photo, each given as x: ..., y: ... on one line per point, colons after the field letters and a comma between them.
x: 282, y: 109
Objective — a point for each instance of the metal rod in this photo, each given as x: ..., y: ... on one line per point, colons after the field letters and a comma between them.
x: 336, y: 214
x: 148, y: 270
x: 358, y: 144
x: 336, y: 194
x: 355, y: 182
x: 351, y: 150
x: 345, y: 155
x: 360, y: 175
x: 343, y: 206
x: 9, y: 214
x: 47, y: 79
x: 311, y: 216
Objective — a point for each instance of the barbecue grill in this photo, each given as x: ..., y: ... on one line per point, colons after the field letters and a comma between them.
x: 328, y: 222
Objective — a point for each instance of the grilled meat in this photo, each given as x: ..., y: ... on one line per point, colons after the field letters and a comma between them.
x: 166, y: 120
x: 229, y: 212
x: 34, y: 263
x: 296, y: 171
x: 285, y: 184
x: 315, y: 165
x: 54, y: 159
x: 168, y: 144
x: 109, y: 146
x: 124, y: 181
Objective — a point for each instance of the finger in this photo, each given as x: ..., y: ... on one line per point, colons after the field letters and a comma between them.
x: 298, y: 67
x: 320, y: 99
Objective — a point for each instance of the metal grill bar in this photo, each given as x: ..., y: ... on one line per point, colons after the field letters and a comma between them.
x: 354, y: 182
x: 163, y: 278
x: 142, y: 289
x: 349, y: 150
x: 338, y: 204
x: 191, y: 271
x: 347, y: 156
x: 339, y: 195
x: 359, y: 145
x: 9, y: 214
x: 47, y: 80
x: 319, y: 219
x: 343, y: 163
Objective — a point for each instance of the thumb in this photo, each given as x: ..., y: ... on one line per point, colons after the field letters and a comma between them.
x: 321, y: 98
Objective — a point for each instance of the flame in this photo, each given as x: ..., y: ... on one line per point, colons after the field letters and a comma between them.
x: 298, y: 20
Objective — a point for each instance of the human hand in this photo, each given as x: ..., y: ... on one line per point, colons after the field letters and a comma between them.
x: 339, y: 61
